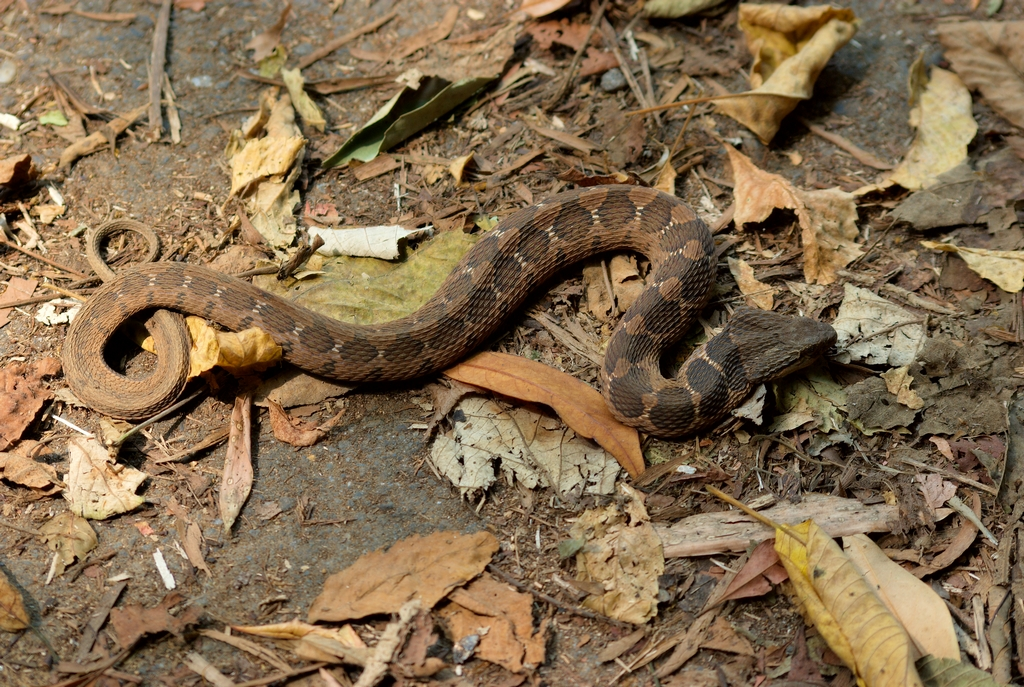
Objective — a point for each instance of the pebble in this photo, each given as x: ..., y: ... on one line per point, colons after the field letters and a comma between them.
x: 8, y: 70
x: 613, y: 80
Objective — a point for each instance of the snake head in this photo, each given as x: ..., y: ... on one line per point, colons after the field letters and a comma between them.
x: 772, y: 345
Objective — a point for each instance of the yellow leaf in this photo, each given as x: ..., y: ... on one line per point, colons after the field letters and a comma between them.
x: 845, y: 609
x: 1004, y: 268
x: 304, y: 105
x: 245, y: 351
x: 579, y: 405
x: 790, y: 45
x: 945, y: 125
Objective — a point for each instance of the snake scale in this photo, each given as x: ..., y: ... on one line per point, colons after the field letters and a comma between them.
x: 491, y: 281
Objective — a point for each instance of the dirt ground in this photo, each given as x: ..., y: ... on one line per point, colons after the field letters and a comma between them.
x: 314, y: 511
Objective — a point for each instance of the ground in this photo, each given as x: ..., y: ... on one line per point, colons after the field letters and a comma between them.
x: 366, y: 485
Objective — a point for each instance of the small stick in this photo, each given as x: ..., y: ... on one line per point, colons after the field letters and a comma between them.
x: 627, y: 72
x: 574, y: 65
x: 156, y: 418
x: 157, y: 60
x: 28, y: 301
x: 582, y: 612
x: 40, y: 258
x: 693, y: 101
x: 342, y: 40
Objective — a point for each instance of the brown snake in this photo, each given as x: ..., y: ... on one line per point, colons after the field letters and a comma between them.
x: 490, y: 282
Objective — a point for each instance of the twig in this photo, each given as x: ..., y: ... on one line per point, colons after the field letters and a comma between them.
x: 28, y: 301
x: 23, y: 530
x: 574, y: 65
x: 40, y: 258
x: 627, y: 72
x: 156, y: 418
x: 691, y: 101
x: 259, y: 682
x: 582, y: 612
x: 351, y: 35
x: 156, y: 65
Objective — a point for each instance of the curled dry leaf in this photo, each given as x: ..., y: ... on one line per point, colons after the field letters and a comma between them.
x: 843, y: 606
x: 989, y: 57
x: 424, y: 568
x: 579, y: 405
x: 945, y: 125
x: 827, y: 218
x: 20, y: 467
x: 133, y: 622
x: 790, y: 45
x: 294, y: 431
x: 264, y: 43
x: 250, y: 350
x: 304, y: 105
x: 1004, y: 268
x: 97, y: 487
x: 236, y: 481
x: 16, y: 170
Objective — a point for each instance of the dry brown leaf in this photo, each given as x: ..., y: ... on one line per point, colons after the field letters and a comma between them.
x: 20, y: 467
x: 427, y: 568
x: 236, y: 481
x: 69, y: 536
x: 17, y: 289
x: 131, y: 623
x: 13, y: 616
x: 16, y: 170
x: 755, y: 578
x: 263, y: 44
x: 97, y: 487
x: 510, y: 640
x: 790, y: 45
x: 827, y: 218
x: 945, y: 125
x: 292, y: 430
x: 624, y: 555
x: 921, y: 611
x: 989, y: 57
x: 22, y: 394
x: 436, y: 33
x: 1004, y: 268
x: 579, y: 405
x: 758, y: 294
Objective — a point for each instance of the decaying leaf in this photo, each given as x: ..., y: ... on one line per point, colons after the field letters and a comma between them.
x: 845, y: 609
x: 876, y: 331
x: 950, y: 672
x: 945, y: 125
x: 581, y: 406
x: 264, y: 43
x: 69, y: 536
x: 97, y: 487
x: 897, y: 381
x: 13, y: 616
x: 790, y: 45
x: 625, y: 281
x: 314, y: 642
x: 672, y: 9
x: 236, y: 481
x: 624, y: 555
x: 540, y: 8
x: 989, y: 57
x: 827, y: 218
x: 381, y: 242
x: 758, y: 294
x: 424, y: 568
x: 530, y: 448
x: 1004, y: 268
x: 509, y: 639
x: 22, y: 395
x: 921, y: 611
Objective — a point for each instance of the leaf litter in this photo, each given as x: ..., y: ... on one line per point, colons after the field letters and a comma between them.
x: 920, y: 330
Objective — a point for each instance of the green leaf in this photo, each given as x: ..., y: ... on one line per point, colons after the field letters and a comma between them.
x: 54, y: 118
x: 945, y: 672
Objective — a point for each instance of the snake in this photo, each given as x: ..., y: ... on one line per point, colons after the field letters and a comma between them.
x: 490, y: 282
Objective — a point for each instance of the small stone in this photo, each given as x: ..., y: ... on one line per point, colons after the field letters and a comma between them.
x: 8, y: 71
x: 613, y: 80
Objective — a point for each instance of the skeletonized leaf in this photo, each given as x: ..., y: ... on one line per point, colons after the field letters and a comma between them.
x: 581, y: 406
x: 845, y: 609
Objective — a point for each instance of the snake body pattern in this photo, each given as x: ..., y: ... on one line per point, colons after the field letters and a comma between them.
x: 491, y: 281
